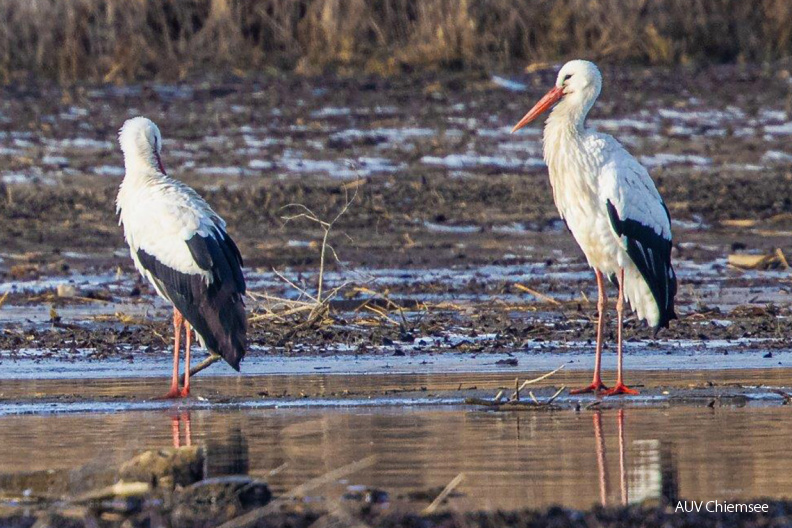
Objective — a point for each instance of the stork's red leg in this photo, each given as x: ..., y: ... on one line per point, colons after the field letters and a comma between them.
x: 178, y: 321
x: 187, y: 429
x: 622, y: 461
x: 620, y: 387
x: 186, y: 389
x: 602, y: 467
x: 602, y: 304
x: 175, y: 433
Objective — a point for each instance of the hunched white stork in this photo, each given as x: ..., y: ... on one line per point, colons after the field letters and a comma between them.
x: 612, y: 207
x: 181, y: 246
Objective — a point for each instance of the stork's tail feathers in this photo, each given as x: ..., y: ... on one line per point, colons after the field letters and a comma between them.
x: 654, y: 282
x: 233, y: 336
x: 667, y: 313
x: 653, y: 304
x: 222, y: 326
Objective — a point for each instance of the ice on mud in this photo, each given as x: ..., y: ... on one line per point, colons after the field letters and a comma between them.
x: 779, y: 130
x: 776, y: 156
x: 662, y: 159
x: 466, y: 161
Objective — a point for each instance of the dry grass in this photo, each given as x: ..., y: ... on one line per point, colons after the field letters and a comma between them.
x: 121, y: 40
x: 314, y: 306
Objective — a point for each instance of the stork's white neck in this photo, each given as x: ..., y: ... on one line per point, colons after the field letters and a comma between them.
x: 565, y: 128
x: 140, y: 164
x: 141, y: 172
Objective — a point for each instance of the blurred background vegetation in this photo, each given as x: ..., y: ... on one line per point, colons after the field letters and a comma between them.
x: 124, y: 40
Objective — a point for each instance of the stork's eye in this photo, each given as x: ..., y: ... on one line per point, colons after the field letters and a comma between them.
x: 566, y: 77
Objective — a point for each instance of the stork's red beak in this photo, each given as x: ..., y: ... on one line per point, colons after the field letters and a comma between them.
x: 544, y: 104
x: 159, y: 162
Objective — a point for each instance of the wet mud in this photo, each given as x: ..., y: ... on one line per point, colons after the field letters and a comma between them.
x: 450, y: 215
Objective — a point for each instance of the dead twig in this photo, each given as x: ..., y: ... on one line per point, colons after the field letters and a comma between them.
x: 211, y: 360
x: 540, y: 378
x: 556, y: 395
x: 317, y: 305
x: 514, y: 403
x: 537, y: 294
x: 252, y: 518
x: 456, y: 481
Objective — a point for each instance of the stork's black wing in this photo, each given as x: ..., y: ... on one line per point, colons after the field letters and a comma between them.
x: 214, y: 308
x: 651, y: 253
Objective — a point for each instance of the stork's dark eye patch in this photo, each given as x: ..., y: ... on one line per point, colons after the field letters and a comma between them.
x: 566, y: 77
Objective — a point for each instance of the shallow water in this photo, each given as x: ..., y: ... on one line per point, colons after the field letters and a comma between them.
x: 510, y: 460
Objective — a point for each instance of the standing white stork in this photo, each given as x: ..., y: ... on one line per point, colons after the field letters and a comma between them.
x: 610, y: 204
x: 181, y: 246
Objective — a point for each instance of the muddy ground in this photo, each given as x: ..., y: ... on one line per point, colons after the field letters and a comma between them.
x: 435, y: 183
x: 450, y: 244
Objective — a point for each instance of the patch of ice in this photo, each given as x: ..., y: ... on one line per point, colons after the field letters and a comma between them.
x: 779, y: 130
x: 180, y: 154
x: 508, y: 84
x: 740, y: 167
x: 167, y: 91
x: 469, y: 123
x: 298, y: 243
x: 220, y: 171
x: 523, y: 147
x: 506, y: 131
x: 768, y: 114
x: 661, y: 160
x: 330, y: 111
x: 678, y: 130
x: 54, y: 160
x: 702, y: 117
x: 80, y: 143
x: 441, y: 228
x: 744, y: 132
x: 640, y: 125
x: 16, y: 178
x: 510, y: 229
x: 379, y: 164
x: 253, y: 142
x: 258, y: 164
x: 696, y: 223
x: 75, y: 113
x: 390, y: 134
x: 466, y: 161
x: 776, y: 156
x: 293, y: 161
x: 109, y: 170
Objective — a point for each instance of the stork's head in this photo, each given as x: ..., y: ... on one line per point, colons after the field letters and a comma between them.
x: 141, y: 141
x: 577, y: 87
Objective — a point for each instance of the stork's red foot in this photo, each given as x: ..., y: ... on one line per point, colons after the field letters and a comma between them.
x: 596, y: 386
x: 620, y: 388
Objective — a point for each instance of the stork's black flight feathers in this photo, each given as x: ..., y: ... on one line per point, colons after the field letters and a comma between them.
x: 651, y: 253
x: 215, y: 309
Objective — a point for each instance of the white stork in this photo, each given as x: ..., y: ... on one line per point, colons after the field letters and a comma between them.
x: 610, y: 204
x: 181, y: 246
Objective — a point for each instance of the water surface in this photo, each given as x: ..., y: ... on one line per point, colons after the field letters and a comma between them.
x: 510, y: 460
